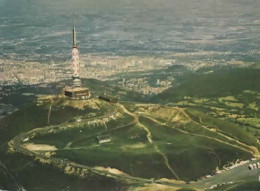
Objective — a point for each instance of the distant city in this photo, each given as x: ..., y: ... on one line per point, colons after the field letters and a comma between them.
x: 110, y: 68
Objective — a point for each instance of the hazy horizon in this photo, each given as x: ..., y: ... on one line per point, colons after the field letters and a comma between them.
x: 34, y: 27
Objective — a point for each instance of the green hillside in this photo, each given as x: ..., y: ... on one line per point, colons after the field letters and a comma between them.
x: 222, y: 82
x: 24, y: 171
x: 148, y: 142
x: 144, y: 136
x: 231, y: 94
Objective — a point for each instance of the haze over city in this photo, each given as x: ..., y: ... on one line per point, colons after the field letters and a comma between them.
x: 130, y: 27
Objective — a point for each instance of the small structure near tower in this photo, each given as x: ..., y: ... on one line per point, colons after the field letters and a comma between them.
x: 108, y: 98
x: 76, y: 91
x: 103, y: 139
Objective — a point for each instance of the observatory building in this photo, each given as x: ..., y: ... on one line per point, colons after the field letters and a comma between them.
x: 76, y: 91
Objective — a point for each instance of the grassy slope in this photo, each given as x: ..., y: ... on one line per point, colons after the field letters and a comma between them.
x: 81, y: 137
x: 226, y: 127
x: 220, y: 83
x: 240, y: 83
x: 187, y: 153
x: 32, y: 116
x: 30, y: 174
x: 29, y: 117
